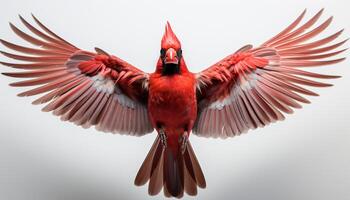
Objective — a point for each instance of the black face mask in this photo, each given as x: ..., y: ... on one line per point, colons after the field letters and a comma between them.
x: 171, y: 68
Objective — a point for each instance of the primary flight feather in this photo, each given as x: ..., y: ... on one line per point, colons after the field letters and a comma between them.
x: 247, y: 89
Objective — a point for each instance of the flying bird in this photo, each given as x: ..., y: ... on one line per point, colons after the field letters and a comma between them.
x: 250, y: 88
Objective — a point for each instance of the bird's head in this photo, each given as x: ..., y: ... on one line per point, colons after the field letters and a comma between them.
x: 170, y: 53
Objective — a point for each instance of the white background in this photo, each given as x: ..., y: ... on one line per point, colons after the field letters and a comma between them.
x: 305, y: 157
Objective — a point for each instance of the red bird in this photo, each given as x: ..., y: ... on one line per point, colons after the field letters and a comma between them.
x: 247, y: 89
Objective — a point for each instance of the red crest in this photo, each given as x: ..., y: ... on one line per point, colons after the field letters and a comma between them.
x: 169, y: 39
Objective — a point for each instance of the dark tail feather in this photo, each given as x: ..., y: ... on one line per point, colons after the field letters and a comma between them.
x: 176, y: 173
x: 173, y: 173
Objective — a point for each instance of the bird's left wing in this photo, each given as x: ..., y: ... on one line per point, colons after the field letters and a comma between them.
x: 87, y: 88
x: 255, y: 86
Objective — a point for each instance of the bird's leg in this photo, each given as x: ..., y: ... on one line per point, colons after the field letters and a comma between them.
x: 183, y: 140
x: 162, y: 137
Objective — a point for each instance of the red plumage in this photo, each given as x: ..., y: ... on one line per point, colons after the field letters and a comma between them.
x: 248, y: 89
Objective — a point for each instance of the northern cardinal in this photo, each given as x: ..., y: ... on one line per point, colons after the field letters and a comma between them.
x: 246, y: 90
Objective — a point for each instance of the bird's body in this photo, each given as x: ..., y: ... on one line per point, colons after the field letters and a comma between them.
x: 250, y: 88
x: 172, y: 103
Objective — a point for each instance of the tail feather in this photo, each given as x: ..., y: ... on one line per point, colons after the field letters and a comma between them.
x: 198, y: 173
x: 156, y: 179
x: 144, y: 172
x: 176, y: 174
x: 166, y: 192
x: 173, y: 173
x: 190, y: 183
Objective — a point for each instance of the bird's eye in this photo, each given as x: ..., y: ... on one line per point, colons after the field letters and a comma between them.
x: 162, y: 53
x: 179, y: 53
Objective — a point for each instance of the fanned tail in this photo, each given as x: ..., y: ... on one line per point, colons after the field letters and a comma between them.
x: 177, y: 173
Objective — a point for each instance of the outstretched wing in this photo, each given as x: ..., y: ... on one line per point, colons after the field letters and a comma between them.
x: 255, y: 86
x: 89, y: 89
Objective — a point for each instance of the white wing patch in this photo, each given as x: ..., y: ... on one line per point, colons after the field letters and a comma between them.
x: 107, y: 85
x: 103, y: 84
x: 123, y: 99
x: 245, y: 83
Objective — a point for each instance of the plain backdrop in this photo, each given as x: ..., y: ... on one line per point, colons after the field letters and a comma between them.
x: 304, y: 157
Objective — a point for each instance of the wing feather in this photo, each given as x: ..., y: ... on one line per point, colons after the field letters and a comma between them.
x: 255, y: 86
x: 88, y: 89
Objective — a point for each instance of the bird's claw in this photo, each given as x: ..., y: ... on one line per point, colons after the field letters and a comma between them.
x: 184, y: 140
x: 163, y: 137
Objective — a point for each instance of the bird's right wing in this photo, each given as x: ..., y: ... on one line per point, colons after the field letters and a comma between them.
x: 254, y: 86
x: 89, y: 89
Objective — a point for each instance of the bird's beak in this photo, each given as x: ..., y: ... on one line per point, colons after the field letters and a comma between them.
x: 171, y: 57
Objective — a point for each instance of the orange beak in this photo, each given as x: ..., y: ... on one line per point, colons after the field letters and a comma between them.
x: 171, y: 57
